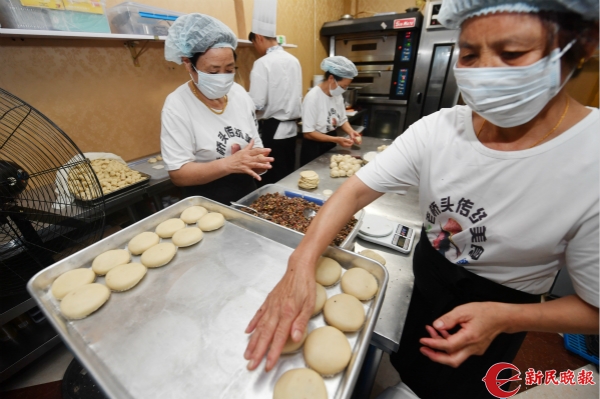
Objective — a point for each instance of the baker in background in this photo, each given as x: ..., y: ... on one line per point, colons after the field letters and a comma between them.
x: 276, y: 89
x: 324, y: 111
x: 209, y: 139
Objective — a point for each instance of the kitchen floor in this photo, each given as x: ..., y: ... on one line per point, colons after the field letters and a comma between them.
x: 540, y: 351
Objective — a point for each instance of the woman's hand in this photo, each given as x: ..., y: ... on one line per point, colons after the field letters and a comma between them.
x: 344, y: 142
x: 249, y: 160
x: 285, y: 312
x: 480, y: 323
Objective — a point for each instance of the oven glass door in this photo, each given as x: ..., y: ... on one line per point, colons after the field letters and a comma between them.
x: 386, y: 121
x: 367, y: 48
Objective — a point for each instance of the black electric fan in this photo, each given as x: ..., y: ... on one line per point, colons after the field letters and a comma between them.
x: 40, y: 220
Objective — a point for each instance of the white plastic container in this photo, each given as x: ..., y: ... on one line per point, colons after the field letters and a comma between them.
x: 139, y: 19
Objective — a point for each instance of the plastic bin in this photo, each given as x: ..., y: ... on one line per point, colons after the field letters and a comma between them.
x: 139, y: 19
x: 576, y: 344
x: 15, y: 16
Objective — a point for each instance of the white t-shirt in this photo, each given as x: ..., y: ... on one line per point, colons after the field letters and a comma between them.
x: 276, y: 89
x: 322, y: 113
x: 193, y: 133
x: 513, y: 217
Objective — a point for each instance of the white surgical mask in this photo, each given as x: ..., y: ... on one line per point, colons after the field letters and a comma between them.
x: 213, y: 85
x: 512, y: 96
x: 338, y: 91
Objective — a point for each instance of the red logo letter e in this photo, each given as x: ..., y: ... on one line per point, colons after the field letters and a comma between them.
x: 492, y: 383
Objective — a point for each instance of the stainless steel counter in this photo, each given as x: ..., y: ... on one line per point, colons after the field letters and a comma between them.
x: 400, y: 208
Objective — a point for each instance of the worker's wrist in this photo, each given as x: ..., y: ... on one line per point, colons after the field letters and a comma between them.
x: 510, y: 317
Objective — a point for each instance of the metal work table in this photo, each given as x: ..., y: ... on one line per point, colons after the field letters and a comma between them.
x: 400, y: 208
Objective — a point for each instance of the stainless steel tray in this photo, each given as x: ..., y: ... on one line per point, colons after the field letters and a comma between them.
x: 180, y: 332
x: 348, y: 243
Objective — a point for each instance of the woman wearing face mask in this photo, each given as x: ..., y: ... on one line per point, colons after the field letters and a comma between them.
x: 209, y: 137
x: 323, y: 110
x: 508, y: 192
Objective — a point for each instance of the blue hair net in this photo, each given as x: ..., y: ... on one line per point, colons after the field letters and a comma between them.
x: 339, y: 66
x: 196, y: 33
x: 454, y: 12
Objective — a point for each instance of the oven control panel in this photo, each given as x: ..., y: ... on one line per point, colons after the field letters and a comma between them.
x: 404, y: 61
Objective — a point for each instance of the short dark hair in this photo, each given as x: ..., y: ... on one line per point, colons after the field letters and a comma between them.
x: 328, y: 74
x: 571, y: 26
x: 194, y: 58
x: 252, y: 37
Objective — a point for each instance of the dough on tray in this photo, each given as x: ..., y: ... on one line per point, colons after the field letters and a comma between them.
x: 300, y: 384
x: 327, y: 351
x: 328, y: 272
x: 188, y: 236
x: 320, y: 301
x: 159, y: 255
x: 291, y: 346
x: 167, y: 228
x: 84, y: 301
x: 211, y: 221
x: 192, y: 214
x: 373, y: 255
x: 125, y: 277
x: 359, y: 283
x: 109, y: 259
x: 344, y: 312
x: 71, y: 280
x: 142, y: 242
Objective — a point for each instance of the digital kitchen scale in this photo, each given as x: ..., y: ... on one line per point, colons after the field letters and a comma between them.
x: 382, y: 231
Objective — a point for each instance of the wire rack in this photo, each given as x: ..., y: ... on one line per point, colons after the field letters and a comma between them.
x: 40, y: 221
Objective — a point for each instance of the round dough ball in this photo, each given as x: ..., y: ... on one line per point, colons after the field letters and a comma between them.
x: 327, y: 351
x: 167, y: 228
x: 342, y: 173
x: 327, y: 193
x: 152, y: 160
x: 333, y: 165
x: 291, y: 346
x: 350, y: 172
x: 188, y: 236
x: 359, y: 283
x: 159, y: 158
x: 84, y: 301
x: 125, y: 277
x: 358, y: 140
x: 109, y: 259
x: 192, y: 214
x: 142, y: 242
x: 71, y: 280
x: 328, y: 272
x: 344, y: 312
x: 334, y: 173
x: 211, y: 221
x: 300, y: 384
x: 159, y: 255
x: 356, y: 168
x: 320, y: 301
x: 373, y: 255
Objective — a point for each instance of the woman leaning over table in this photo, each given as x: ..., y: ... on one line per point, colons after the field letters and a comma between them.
x: 508, y: 193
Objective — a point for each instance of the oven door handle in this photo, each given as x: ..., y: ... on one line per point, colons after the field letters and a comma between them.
x: 370, y: 73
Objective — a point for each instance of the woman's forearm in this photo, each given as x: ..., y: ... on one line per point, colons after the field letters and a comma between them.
x: 347, y: 128
x: 569, y: 314
x: 196, y: 173
x: 318, y: 136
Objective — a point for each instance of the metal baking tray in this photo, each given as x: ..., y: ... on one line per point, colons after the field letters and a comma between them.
x: 137, y: 184
x: 180, y: 332
x: 348, y: 242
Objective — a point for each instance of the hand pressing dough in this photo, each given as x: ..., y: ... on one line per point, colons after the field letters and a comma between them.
x: 327, y: 351
x: 167, y: 228
x: 188, y: 236
x: 328, y: 272
x: 291, y: 346
x: 344, y: 312
x: 109, y: 259
x: 143, y: 241
x: 359, y: 283
x: 125, y: 277
x: 159, y: 255
x: 192, y: 214
x: 84, y: 301
x: 373, y: 255
x: 320, y: 301
x: 211, y: 221
x: 300, y: 384
x: 71, y: 280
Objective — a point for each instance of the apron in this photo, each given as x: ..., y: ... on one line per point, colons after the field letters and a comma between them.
x: 224, y: 190
x: 282, y: 150
x: 313, y: 149
x: 439, y: 287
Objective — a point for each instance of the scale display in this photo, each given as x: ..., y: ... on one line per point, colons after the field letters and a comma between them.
x: 382, y: 231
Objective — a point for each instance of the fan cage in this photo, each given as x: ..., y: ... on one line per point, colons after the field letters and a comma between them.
x: 44, y: 222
